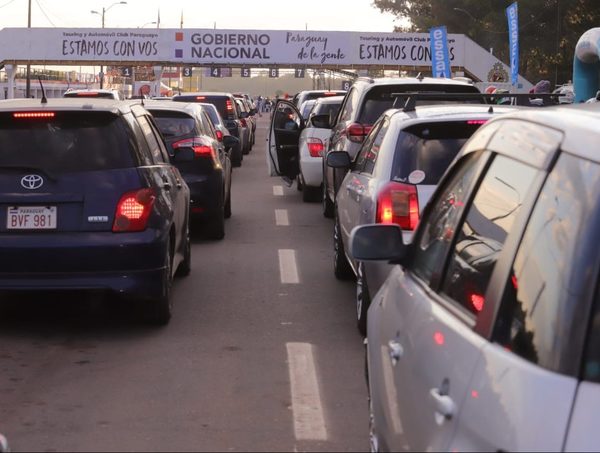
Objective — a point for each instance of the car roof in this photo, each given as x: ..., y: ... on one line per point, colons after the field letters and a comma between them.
x: 330, y: 100
x: 449, y: 112
x: 204, y: 93
x: 185, y: 107
x: 411, y: 80
x: 90, y: 90
x: 67, y: 104
x: 579, y: 124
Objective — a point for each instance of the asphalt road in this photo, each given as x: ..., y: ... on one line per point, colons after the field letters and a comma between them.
x: 262, y: 353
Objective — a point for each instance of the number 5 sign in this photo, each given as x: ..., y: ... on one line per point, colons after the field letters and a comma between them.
x: 245, y: 72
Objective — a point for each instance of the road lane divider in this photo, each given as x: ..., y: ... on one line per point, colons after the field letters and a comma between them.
x: 309, y: 422
x: 288, y: 270
x: 281, y: 217
x: 278, y: 191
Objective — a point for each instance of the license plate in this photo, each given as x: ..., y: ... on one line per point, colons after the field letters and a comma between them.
x: 31, y: 218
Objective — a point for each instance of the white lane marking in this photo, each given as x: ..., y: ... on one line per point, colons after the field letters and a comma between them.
x: 287, y: 267
x: 309, y: 423
x: 278, y: 191
x: 281, y: 217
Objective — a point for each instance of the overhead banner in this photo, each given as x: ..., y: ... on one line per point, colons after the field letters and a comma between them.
x: 512, y: 14
x: 210, y: 46
x: 440, y: 57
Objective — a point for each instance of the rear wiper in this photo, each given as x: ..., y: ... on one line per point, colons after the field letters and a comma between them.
x: 49, y: 175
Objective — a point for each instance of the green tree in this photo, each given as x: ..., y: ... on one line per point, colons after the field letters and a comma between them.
x: 549, y: 29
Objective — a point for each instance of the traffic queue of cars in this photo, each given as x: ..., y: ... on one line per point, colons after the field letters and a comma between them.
x: 471, y: 232
x: 102, y: 195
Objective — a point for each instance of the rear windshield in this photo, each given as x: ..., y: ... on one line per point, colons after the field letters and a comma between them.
x: 328, y: 108
x: 220, y: 102
x: 173, y: 124
x: 68, y: 142
x: 92, y: 94
x: 381, y: 98
x: 430, y: 148
x: 310, y: 96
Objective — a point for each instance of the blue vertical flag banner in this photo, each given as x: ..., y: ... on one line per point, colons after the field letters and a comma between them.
x: 512, y: 13
x: 440, y: 57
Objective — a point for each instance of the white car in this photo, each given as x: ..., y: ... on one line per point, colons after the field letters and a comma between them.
x: 486, y: 334
x: 312, y: 145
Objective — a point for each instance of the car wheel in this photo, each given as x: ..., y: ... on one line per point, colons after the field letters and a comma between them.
x: 341, y: 267
x: 363, y: 299
x: 327, y: 204
x: 215, y: 229
x: 160, y: 310
x: 185, y: 267
x: 310, y: 194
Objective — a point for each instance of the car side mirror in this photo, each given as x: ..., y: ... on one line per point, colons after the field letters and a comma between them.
x: 377, y: 242
x: 338, y: 159
x: 321, y: 121
x: 184, y: 155
x: 598, y: 95
x: 244, y: 115
x: 230, y: 141
x: 253, y: 112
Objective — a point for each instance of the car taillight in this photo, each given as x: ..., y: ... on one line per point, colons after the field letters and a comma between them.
x: 133, y: 211
x: 33, y: 115
x: 398, y: 203
x: 244, y: 122
x: 200, y: 98
x: 357, y: 132
x: 229, y: 105
x: 315, y: 147
x: 219, y: 135
x: 197, y: 144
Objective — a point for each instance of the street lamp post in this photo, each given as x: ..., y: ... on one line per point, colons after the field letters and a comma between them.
x: 104, y: 10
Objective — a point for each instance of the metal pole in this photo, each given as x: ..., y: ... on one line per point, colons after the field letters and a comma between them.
x: 28, y: 75
x: 102, y: 67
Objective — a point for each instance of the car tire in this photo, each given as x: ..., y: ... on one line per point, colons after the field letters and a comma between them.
x: 311, y: 194
x: 327, y: 205
x: 160, y: 310
x: 341, y: 267
x: 215, y: 229
x: 185, y: 267
x: 363, y: 299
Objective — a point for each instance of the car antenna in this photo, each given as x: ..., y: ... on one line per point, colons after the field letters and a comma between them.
x: 44, y: 100
x: 491, y: 110
x: 420, y: 76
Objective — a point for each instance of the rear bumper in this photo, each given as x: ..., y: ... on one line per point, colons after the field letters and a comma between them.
x: 126, y: 263
x: 206, y: 194
x: 312, y: 170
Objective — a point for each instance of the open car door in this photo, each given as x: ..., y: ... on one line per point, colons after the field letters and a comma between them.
x: 286, y: 126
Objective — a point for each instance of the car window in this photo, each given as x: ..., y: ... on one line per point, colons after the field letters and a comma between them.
x: 173, y: 124
x: 328, y: 108
x: 479, y: 241
x: 66, y: 142
x: 362, y: 156
x: 151, y: 139
x: 541, y: 317
x: 208, y: 126
x: 350, y: 105
x: 430, y: 148
x: 212, y: 113
x: 437, y: 230
x: 373, y: 153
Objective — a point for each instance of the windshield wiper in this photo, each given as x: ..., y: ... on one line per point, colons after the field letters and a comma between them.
x: 49, y: 175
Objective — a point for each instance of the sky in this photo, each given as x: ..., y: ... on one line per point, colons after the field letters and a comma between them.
x: 335, y: 15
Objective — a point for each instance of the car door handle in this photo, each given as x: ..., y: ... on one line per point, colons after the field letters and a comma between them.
x: 396, y: 351
x: 179, y: 185
x: 444, y: 406
x: 167, y: 185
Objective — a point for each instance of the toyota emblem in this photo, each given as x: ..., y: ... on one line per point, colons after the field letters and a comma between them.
x: 32, y: 182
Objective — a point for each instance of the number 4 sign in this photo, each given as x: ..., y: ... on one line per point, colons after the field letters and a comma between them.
x: 215, y: 72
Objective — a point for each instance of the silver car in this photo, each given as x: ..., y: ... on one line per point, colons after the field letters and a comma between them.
x: 486, y: 334
x: 392, y: 178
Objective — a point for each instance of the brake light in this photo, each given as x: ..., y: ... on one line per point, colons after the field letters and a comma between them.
x: 200, y: 98
x: 133, y: 211
x: 357, y: 132
x: 198, y: 145
x: 477, y: 300
x: 315, y: 147
x: 398, y: 203
x: 229, y: 105
x: 330, y: 93
x: 219, y: 135
x: 476, y: 122
x: 88, y: 95
x: 32, y: 115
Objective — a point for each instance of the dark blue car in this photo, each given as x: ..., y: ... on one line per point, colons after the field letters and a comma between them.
x: 89, y: 200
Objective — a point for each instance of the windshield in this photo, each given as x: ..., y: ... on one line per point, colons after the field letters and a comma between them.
x: 67, y: 142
